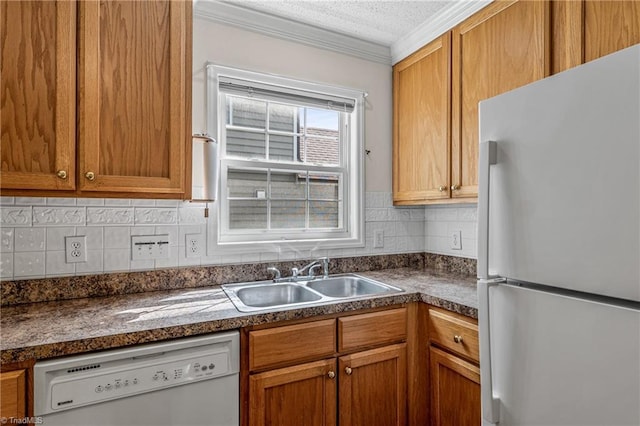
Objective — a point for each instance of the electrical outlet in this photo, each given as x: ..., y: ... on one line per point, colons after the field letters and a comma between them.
x: 194, y: 245
x: 456, y: 240
x: 378, y: 238
x: 76, y: 248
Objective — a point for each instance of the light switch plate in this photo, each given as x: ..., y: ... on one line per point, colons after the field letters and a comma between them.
x: 378, y: 238
x: 147, y: 247
x: 456, y: 240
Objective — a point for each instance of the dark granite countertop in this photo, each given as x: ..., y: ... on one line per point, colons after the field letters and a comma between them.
x: 50, y: 329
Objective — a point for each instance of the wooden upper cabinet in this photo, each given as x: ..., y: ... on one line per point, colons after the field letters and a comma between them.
x: 502, y: 47
x: 37, y: 79
x: 421, y: 117
x: 610, y: 26
x: 134, y: 95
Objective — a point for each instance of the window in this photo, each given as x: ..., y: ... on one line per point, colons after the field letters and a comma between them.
x: 290, y: 160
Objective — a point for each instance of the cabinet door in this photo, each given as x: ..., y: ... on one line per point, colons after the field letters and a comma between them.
x: 373, y: 387
x: 455, y: 390
x: 421, y: 124
x: 610, y: 26
x: 12, y: 389
x: 293, y: 396
x: 37, y: 80
x: 135, y: 95
x: 500, y: 48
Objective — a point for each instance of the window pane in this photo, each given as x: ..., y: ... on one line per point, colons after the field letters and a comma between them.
x: 247, y: 183
x: 324, y: 187
x: 287, y: 214
x: 320, y: 147
x: 323, y: 119
x: 283, y: 118
x: 283, y: 147
x: 247, y: 214
x: 291, y: 185
x: 323, y: 214
x: 243, y: 112
x: 245, y: 144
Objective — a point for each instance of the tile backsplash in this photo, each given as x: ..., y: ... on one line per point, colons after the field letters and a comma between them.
x: 442, y: 221
x: 32, y: 232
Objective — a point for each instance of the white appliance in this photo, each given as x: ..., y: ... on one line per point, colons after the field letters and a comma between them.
x: 193, y: 381
x: 559, y: 248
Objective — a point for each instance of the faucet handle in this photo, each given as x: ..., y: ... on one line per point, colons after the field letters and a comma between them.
x: 276, y: 271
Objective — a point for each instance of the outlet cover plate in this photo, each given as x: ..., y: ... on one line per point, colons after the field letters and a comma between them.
x: 456, y: 240
x: 194, y: 245
x: 76, y: 249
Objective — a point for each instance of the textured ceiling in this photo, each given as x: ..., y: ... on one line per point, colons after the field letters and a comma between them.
x: 382, y: 22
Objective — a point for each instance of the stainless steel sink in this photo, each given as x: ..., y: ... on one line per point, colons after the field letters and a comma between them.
x: 349, y: 286
x: 276, y: 294
x: 258, y: 296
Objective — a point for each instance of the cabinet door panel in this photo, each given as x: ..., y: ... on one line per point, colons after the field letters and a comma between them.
x: 292, y: 396
x: 421, y: 154
x: 500, y: 48
x: 610, y: 26
x: 133, y: 100
x: 38, y: 58
x: 374, y: 390
x: 12, y: 389
x: 455, y: 390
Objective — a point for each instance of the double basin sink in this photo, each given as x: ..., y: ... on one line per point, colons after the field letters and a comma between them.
x: 262, y: 295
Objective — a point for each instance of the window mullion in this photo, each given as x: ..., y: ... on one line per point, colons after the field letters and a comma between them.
x: 307, y: 204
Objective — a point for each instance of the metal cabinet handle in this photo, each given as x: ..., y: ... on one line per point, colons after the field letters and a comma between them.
x: 348, y: 370
x: 331, y: 374
x: 457, y: 339
x: 90, y: 175
x: 455, y: 187
x: 62, y: 174
x: 442, y: 188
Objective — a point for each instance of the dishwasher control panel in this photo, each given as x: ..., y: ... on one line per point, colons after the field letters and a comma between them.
x: 66, y: 384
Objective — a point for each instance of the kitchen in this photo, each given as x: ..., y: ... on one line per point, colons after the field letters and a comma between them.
x: 34, y: 257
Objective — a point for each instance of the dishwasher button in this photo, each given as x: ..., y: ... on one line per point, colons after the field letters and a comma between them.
x: 98, y: 389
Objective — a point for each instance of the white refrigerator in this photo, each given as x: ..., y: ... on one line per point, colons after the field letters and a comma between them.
x: 559, y: 248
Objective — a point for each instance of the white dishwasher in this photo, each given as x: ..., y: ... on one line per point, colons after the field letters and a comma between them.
x: 191, y: 381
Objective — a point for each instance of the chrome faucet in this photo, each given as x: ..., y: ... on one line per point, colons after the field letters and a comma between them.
x: 311, y: 267
x: 276, y: 273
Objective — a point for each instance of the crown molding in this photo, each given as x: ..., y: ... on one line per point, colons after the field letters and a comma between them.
x: 275, y: 26
x: 433, y: 28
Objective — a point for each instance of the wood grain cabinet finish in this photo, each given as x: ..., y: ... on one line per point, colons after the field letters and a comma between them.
x: 13, y: 394
x: 454, y: 332
x: 295, y: 376
x: 422, y: 124
x: 373, y: 387
x: 502, y: 47
x: 37, y: 80
x: 134, y: 95
x: 455, y: 390
x: 303, y: 394
x: 610, y: 26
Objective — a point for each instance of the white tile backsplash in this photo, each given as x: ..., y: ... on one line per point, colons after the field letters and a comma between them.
x: 110, y: 223
x: 441, y: 221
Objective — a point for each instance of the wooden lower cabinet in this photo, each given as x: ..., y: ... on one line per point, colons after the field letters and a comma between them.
x: 455, y: 390
x: 373, y: 387
x: 292, y: 396
x: 13, y: 385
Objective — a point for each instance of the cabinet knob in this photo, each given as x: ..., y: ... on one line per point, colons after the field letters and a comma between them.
x: 62, y: 174
x: 90, y: 175
x: 442, y: 188
x: 348, y: 370
x: 457, y: 339
x: 331, y: 374
x: 455, y: 187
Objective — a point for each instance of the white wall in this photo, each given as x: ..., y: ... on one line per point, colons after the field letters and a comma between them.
x: 234, y: 47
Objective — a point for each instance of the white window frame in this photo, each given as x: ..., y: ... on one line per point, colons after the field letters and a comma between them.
x: 351, y: 234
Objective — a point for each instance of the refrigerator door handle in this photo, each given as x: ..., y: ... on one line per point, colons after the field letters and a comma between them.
x: 490, y: 403
x: 488, y: 150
